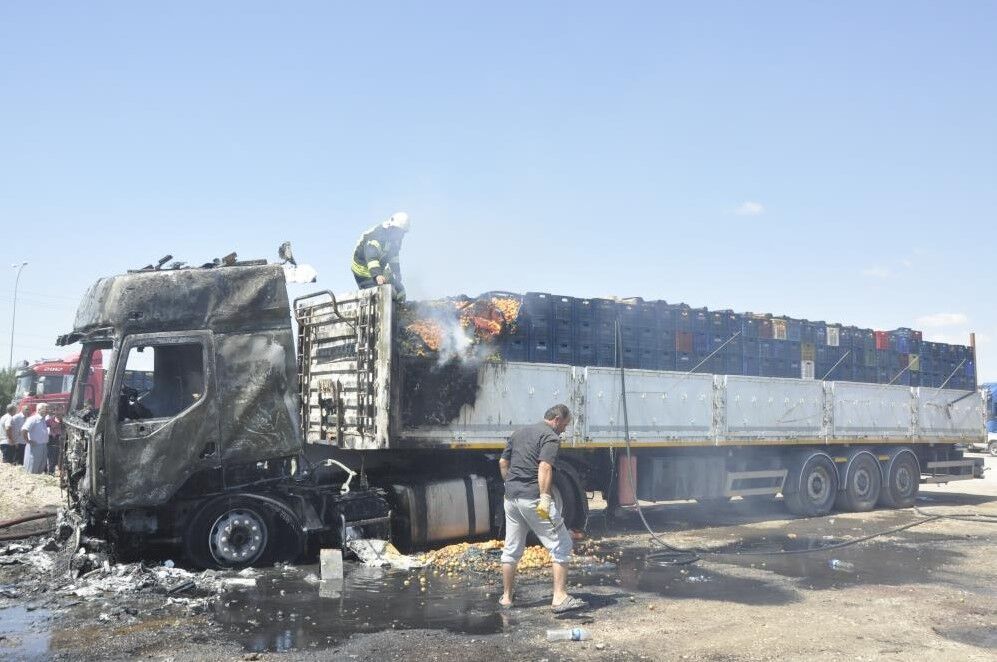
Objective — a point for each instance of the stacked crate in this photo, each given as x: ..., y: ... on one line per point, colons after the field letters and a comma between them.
x: 657, y: 335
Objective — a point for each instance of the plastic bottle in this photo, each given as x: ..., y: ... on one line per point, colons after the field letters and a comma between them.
x: 841, y: 566
x: 571, y: 634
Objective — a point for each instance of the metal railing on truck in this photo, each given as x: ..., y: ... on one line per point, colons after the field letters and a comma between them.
x: 344, y: 362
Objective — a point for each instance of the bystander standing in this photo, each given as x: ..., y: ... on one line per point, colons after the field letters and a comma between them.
x: 35, y: 433
x: 8, y: 440
x: 55, y: 437
x: 16, y: 423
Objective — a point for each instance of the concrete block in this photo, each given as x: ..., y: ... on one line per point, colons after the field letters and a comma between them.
x: 331, y: 561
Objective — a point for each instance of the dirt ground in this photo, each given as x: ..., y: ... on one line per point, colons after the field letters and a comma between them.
x: 927, y: 592
x: 23, y: 494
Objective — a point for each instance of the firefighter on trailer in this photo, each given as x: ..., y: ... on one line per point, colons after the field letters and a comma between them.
x: 376, y: 257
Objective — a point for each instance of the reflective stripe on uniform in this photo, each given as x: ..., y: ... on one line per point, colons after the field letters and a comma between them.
x: 360, y: 270
x: 374, y: 264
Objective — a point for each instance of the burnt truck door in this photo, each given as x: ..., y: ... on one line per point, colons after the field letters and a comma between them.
x: 159, y: 434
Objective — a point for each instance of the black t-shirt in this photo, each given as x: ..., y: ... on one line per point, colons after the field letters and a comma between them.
x: 524, y: 451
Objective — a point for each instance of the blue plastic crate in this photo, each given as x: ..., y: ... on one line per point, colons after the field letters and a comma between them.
x: 684, y: 361
x: 648, y: 358
x: 605, y: 354
x: 648, y: 337
x: 563, y: 307
x: 665, y: 360
x: 585, y: 352
x: 750, y: 366
x: 564, y: 348
x: 683, y: 317
x: 787, y: 349
x: 538, y: 305
x: 701, y: 343
x: 541, y: 348
x: 749, y: 326
x: 515, y: 347
x: 794, y: 330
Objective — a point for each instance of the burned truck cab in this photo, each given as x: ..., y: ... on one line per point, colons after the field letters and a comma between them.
x: 209, y: 455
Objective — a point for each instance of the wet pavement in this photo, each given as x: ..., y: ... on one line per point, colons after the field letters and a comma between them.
x: 293, y: 610
x: 286, y: 609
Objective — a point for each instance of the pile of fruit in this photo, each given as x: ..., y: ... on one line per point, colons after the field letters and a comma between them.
x: 481, y: 557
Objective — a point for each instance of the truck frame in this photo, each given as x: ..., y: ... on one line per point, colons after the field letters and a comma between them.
x: 251, y: 447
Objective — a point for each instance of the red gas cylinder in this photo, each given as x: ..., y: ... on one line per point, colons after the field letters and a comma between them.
x: 626, y: 467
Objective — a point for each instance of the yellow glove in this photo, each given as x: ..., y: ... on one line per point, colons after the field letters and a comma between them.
x: 543, y: 508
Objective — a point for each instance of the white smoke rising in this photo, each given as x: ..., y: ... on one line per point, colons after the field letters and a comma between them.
x: 455, y: 343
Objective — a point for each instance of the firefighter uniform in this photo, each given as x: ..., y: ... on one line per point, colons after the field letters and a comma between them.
x: 377, y: 254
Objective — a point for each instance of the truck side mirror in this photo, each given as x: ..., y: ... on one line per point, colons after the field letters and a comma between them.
x: 40, y: 388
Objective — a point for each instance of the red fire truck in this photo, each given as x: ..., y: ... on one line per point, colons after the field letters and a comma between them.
x: 50, y: 381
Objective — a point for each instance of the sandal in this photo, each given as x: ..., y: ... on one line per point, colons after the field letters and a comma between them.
x: 570, y: 603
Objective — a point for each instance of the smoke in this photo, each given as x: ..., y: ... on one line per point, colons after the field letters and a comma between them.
x: 455, y: 344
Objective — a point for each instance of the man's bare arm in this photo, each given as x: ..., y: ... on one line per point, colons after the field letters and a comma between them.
x: 504, y: 468
x: 545, y: 477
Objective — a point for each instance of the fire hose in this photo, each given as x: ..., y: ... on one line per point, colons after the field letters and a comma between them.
x: 23, y: 520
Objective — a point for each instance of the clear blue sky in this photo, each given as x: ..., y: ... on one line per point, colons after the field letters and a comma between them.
x: 832, y: 161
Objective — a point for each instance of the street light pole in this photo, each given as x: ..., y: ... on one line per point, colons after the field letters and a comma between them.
x: 13, y: 316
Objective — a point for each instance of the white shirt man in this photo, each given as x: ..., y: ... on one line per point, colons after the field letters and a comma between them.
x: 16, y: 423
x: 8, y: 436
x: 36, y: 434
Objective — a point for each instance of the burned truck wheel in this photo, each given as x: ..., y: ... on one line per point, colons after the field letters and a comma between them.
x: 241, y: 531
x: 812, y: 486
x: 863, y: 482
x: 903, y: 479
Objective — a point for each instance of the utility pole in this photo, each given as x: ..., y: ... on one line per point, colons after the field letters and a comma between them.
x: 13, y: 316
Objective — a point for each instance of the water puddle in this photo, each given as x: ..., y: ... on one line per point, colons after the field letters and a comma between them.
x: 287, y: 610
x: 23, y: 635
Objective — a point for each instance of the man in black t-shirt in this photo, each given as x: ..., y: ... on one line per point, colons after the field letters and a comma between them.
x: 527, y: 467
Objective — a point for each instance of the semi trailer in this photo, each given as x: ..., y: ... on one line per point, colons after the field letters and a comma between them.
x: 253, y: 445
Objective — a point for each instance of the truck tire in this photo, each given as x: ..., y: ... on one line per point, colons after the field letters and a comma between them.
x: 570, y: 497
x: 992, y: 448
x: 241, y: 531
x: 862, y: 484
x: 812, y: 485
x: 903, y: 480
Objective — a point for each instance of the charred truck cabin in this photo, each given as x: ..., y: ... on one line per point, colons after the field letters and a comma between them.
x: 211, y: 456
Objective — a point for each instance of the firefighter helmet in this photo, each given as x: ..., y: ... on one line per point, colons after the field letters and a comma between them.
x: 398, y: 220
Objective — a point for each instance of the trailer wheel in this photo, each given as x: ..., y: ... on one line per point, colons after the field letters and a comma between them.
x: 863, y: 483
x: 903, y: 480
x: 813, y: 484
x: 241, y: 531
x: 992, y: 448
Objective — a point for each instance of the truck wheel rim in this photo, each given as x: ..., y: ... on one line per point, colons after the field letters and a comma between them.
x: 817, y: 483
x: 903, y: 481
x: 862, y: 483
x: 238, y: 537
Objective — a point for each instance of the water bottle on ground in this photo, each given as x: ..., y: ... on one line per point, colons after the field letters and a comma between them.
x: 841, y: 566
x: 569, y: 634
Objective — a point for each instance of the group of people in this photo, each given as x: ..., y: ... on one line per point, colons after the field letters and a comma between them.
x: 30, y: 439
